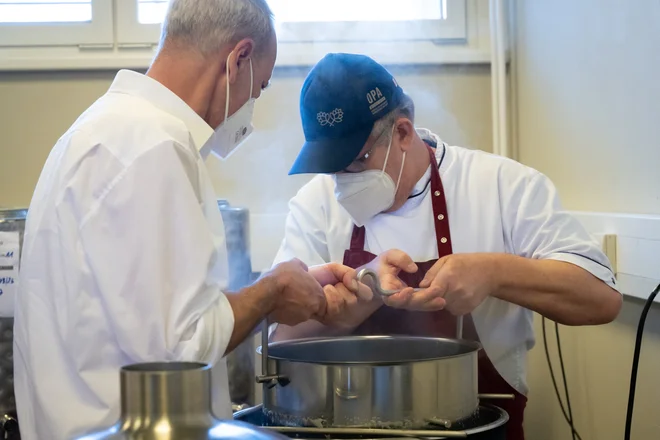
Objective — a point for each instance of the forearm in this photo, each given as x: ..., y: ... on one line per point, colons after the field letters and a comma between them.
x: 250, y: 306
x: 558, y: 290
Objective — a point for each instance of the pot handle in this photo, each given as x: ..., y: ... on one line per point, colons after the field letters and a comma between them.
x: 266, y: 379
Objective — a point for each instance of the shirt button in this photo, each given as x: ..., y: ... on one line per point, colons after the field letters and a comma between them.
x: 441, y: 217
x: 437, y: 193
x: 443, y: 240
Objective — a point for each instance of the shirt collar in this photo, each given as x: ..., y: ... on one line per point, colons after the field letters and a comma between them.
x: 136, y: 84
x: 426, y: 135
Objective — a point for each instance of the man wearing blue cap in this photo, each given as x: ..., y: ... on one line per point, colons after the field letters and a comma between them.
x: 384, y: 185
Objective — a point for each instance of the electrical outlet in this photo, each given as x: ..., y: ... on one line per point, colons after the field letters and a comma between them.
x: 609, y: 247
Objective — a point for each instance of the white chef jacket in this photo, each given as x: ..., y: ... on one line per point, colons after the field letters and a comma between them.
x: 124, y: 261
x: 494, y: 205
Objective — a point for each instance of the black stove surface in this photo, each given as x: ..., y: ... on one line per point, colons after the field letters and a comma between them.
x: 477, y: 427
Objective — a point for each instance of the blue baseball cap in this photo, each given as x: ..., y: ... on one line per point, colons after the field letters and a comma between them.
x: 341, y: 99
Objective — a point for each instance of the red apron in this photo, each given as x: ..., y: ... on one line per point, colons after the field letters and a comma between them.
x: 390, y: 321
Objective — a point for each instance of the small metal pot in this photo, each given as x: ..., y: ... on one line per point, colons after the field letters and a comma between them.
x: 401, y: 382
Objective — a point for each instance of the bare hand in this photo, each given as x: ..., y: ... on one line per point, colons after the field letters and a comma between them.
x: 464, y: 280
x: 389, y: 265
x: 299, y: 296
x: 347, y: 300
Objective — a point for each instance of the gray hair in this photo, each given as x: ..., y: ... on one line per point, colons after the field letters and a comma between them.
x: 207, y: 25
x: 383, y: 127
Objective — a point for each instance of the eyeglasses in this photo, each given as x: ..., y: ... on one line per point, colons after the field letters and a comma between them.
x: 358, y: 165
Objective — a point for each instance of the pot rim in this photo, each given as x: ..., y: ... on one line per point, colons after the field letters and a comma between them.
x: 471, y: 346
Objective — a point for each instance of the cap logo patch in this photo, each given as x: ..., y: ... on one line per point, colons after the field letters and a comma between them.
x: 334, y: 117
x: 376, y: 100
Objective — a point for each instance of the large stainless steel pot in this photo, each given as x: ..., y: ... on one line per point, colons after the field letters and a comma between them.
x: 372, y: 381
x: 240, y: 362
x: 172, y: 401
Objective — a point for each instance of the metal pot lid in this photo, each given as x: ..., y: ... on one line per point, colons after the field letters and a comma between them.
x: 369, y: 350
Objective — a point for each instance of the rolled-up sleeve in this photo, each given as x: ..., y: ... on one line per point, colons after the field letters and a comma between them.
x: 154, y: 260
x: 540, y: 228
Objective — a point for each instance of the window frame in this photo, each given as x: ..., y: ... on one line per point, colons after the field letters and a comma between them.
x: 130, y: 32
x: 137, y: 54
x: 98, y: 32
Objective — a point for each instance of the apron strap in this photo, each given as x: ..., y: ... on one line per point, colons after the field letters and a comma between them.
x: 358, y: 238
x: 440, y: 214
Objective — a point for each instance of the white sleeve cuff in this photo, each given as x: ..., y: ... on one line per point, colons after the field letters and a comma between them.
x: 596, y: 269
x: 211, y: 336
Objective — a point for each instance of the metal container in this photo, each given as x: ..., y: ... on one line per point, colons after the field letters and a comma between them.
x: 11, y: 220
x: 402, y: 382
x: 172, y: 401
x: 240, y: 362
x: 489, y: 423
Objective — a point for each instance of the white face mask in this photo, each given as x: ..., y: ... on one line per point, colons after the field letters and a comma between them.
x: 365, y: 195
x: 231, y: 133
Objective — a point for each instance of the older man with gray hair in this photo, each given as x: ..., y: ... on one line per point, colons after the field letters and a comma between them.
x: 124, y: 256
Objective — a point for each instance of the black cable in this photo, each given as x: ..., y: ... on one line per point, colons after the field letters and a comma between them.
x: 635, y: 365
x: 574, y: 432
x: 563, y: 374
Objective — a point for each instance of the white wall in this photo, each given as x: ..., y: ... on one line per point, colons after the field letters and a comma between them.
x: 588, y: 117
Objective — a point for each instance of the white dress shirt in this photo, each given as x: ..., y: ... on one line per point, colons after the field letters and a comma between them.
x: 494, y: 205
x: 124, y: 261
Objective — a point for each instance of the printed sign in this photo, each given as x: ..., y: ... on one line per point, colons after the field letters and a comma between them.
x: 9, y: 258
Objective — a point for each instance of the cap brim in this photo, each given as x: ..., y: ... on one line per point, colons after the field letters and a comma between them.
x: 328, y: 156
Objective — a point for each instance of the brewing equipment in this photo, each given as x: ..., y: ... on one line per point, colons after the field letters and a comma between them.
x: 240, y: 362
x: 172, y: 401
x: 489, y: 423
x: 371, y: 381
x: 369, y: 387
x: 13, y: 221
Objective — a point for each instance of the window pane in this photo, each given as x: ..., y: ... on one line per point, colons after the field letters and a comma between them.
x: 356, y: 10
x: 153, y: 11
x: 45, y: 11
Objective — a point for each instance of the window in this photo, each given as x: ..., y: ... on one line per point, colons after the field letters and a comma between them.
x: 369, y: 20
x: 55, y: 22
x: 151, y: 11
x: 302, y: 21
x: 124, y: 33
x: 45, y: 11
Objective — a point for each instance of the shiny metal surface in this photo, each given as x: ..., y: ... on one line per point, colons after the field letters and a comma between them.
x: 240, y: 362
x: 375, y: 282
x: 11, y: 220
x: 371, y: 381
x: 172, y: 401
x: 487, y: 424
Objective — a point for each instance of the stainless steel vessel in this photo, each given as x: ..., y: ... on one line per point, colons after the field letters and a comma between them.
x: 240, y: 362
x: 172, y: 401
x: 402, y: 382
x: 489, y: 423
x: 11, y: 220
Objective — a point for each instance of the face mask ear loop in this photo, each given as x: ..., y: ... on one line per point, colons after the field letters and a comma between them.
x: 251, y: 79
x: 227, y: 98
x: 403, y: 161
x: 389, y: 147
